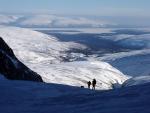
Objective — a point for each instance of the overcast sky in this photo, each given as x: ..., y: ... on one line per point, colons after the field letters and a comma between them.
x: 78, y: 7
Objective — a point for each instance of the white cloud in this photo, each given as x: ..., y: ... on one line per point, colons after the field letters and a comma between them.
x: 38, y: 20
x: 4, y: 19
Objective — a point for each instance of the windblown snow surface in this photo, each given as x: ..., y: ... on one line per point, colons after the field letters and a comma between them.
x: 45, y: 55
x: 30, y: 97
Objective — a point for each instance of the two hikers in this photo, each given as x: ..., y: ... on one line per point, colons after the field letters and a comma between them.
x: 93, y: 84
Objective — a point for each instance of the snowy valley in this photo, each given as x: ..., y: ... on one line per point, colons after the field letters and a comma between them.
x: 67, y: 63
x: 74, y: 56
x: 43, y: 54
x: 72, y: 62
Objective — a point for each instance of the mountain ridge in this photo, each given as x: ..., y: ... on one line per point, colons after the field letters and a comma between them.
x: 12, y: 68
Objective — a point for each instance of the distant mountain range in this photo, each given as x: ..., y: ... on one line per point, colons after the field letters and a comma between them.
x: 52, y: 21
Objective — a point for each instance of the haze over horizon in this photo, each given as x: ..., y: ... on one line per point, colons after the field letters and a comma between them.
x: 124, y: 12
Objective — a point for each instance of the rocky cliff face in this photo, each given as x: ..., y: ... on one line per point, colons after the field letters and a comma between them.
x: 12, y: 68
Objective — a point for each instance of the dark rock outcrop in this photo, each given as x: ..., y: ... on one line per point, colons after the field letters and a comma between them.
x: 12, y: 68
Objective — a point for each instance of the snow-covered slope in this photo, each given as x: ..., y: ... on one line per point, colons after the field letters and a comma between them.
x: 133, y: 63
x: 2, y: 77
x: 133, y: 42
x: 78, y: 73
x: 12, y: 68
x: 137, y: 81
x: 28, y: 97
x: 31, y: 46
x: 136, y: 61
x: 39, y: 51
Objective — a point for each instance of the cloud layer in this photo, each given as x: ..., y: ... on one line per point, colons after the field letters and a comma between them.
x: 50, y: 21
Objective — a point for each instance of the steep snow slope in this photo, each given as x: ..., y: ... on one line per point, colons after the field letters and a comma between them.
x: 12, y: 68
x: 38, y: 51
x: 27, y: 97
x: 31, y: 46
x: 78, y: 73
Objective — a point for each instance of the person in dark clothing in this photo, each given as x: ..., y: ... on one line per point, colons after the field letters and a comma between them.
x: 89, y: 84
x: 93, y: 84
x: 82, y: 86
